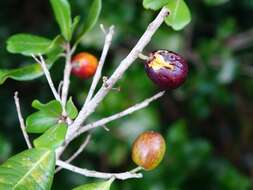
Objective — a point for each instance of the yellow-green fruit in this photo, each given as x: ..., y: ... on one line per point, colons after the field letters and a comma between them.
x: 148, y: 150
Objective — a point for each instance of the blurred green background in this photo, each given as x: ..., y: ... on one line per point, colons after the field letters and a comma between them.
x: 207, y: 123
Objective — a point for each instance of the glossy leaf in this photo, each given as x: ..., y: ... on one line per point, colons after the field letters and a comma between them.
x: 71, y: 109
x: 39, y: 122
x: 31, y: 71
x: 91, y: 20
x: 47, y: 117
x: 56, y: 43
x: 37, y: 105
x: 105, y: 185
x: 62, y: 14
x: 53, y: 108
x: 179, y: 15
x: 154, y: 4
x: 76, y: 21
x: 32, y: 169
x: 28, y: 44
x: 52, y: 138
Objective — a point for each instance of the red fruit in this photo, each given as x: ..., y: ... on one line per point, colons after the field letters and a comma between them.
x: 84, y: 65
x: 166, y: 69
x: 148, y: 150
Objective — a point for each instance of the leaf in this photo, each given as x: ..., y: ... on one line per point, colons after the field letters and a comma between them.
x: 53, y: 108
x: 47, y: 117
x: 57, y: 42
x: 179, y: 15
x: 31, y: 71
x: 31, y: 169
x: 28, y: 44
x: 62, y: 14
x: 52, y: 138
x: 75, y: 23
x: 91, y: 20
x: 105, y: 185
x: 39, y: 122
x: 71, y: 109
x: 154, y: 4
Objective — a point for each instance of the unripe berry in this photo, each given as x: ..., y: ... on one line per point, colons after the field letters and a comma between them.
x: 166, y: 69
x: 84, y: 65
x: 148, y: 150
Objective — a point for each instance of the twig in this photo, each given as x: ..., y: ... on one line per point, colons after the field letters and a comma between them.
x: 106, y: 120
x: 108, y: 41
x: 66, y: 77
x: 135, y: 170
x: 43, y: 65
x: 60, y: 87
x: 21, y: 121
x: 102, y: 175
x: 143, y: 57
x: 77, y: 153
x: 124, y: 65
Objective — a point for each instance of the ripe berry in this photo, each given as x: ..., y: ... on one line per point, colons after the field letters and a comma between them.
x: 166, y: 69
x: 148, y: 150
x: 84, y: 65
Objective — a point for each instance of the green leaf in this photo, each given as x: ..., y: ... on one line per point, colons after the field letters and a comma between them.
x: 179, y: 15
x: 105, y: 185
x: 39, y: 122
x: 52, y: 138
x: 52, y: 108
x: 32, y: 169
x: 56, y: 43
x: 28, y: 44
x: 62, y: 14
x: 31, y: 71
x: 154, y: 4
x: 37, y: 104
x: 76, y: 21
x: 71, y: 109
x: 91, y: 20
x: 47, y: 117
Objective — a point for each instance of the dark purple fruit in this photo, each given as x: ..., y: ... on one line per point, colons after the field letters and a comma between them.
x: 148, y: 150
x: 166, y: 69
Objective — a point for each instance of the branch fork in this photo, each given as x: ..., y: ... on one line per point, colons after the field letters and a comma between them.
x: 93, y: 99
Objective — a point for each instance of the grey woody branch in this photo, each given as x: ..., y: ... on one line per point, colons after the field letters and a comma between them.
x: 97, y: 76
x: 43, y: 65
x: 91, y: 103
x: 101, y: 175
x: 77, y: 153
x: 66, y: 77
x: 102, y: 122
x: 118, y: 73
x: 21, y: 121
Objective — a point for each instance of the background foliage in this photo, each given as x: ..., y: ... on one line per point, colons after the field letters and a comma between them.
x: 207, y: 122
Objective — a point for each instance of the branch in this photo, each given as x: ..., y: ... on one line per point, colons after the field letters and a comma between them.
x: 124, y: 65
x: 106, y: 120
x: 21, y: 121
x: 90, y: 173
x: 77, y: 153
x: 108, y: 41
x: 66, y: 77
x: 43, y: 65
